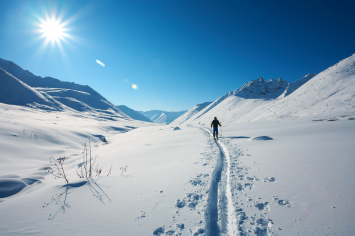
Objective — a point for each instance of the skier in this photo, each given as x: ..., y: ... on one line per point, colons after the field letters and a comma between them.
x: 215, y: 124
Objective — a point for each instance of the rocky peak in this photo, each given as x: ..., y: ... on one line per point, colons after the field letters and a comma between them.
x: 260, y: 89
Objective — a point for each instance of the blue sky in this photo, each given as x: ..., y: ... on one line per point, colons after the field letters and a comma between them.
x: 178, y: 53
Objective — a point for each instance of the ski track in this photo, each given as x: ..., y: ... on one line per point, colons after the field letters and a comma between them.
x: 230, y: 193
x: 225, y: 197
x: 220, y: 218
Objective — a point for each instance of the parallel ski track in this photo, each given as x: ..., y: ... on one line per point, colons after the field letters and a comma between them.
x: 220, y: 218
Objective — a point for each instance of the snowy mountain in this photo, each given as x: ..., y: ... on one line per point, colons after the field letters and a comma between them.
x: 50, y: 93
x: 133, y: 114
x: 15, y: 92
x: 162, y: 117
x: 255, y: 89
x: 187, y: 115
x: 258, y: 89
x: 330, y: 93
x: 294, y: 86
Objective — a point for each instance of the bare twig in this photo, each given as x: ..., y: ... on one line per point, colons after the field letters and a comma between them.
x: 124, y: 169
x: 109, y: 171
x: 58, y: 170
x: 89, y: 168
x: 90, y: 160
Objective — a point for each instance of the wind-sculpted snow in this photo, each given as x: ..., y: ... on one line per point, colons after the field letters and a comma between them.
x: 10, y: 186
x: 13, y: 184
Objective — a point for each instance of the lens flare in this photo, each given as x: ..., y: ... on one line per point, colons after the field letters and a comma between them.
x: 100, y: 63
x: 134, y: 86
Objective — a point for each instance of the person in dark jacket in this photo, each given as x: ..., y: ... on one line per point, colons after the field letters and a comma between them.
x: 215, y: 124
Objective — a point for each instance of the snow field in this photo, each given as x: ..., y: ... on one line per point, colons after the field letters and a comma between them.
x: 282, y: 178
x: 163, y: 189
x: 296, y: 181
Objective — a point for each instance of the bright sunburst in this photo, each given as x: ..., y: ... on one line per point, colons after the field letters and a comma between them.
x: 52, y: 29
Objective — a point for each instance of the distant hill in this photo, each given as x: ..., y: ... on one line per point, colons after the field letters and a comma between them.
x: 133, y: 114
x: 162, y: 117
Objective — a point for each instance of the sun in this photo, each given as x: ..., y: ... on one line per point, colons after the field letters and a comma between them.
x: 52, y: 29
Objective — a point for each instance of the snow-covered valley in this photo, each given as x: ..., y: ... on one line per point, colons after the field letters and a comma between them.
x: 282, y: 178
x: 283, y: 164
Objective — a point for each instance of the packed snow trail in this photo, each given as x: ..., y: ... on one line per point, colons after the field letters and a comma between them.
x: 220, y: 219
x: 232, y: 221
x: 212, y: 207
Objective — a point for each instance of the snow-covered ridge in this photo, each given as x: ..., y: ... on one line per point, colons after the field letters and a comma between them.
x: 15, y: 92
x: 294, y: 86
x: 162, y: 117
x: 261, y: 89
x: 254, y: 89
x: 187, y: 115
x: 330, y: 93
x: 133, y: 114
x: 52, y: 94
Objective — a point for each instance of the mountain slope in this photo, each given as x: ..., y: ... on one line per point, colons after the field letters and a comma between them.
x: 75, y: 96
x: 162, y: 117
x: 257, y: 89
x: 294, y: 86
x: 187, y: 115
x: 15, y: 92
x: 133, y: 114
x: 328, y: 94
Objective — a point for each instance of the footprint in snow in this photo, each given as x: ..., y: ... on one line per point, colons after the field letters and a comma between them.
x: 196, y: 182
x: 199, y: 232
x: 281, y: 202
x: 262, y: 206
x: 180, y: 226
x: 159, y: 231
x: 180, y: 204
x: 263, y: 226
x: 271, y: 179
x: 142, y: 216
x: 191, y: 200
